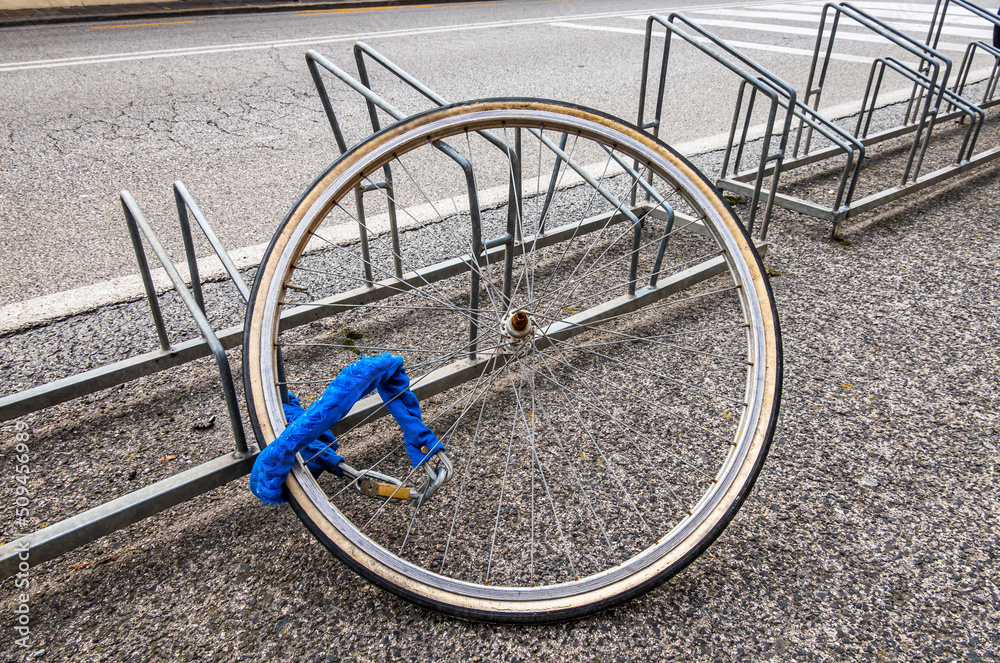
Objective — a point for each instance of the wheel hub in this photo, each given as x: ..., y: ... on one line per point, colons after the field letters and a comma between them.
x: 518, y: 332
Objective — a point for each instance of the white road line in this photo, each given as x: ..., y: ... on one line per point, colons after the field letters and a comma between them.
x: 904, y: 10
x: 891, y: 12
x: 871, y: 7
x: 794, y: 30
x: 960, y: 25
x: 745, y: 45
x: 304, y: 41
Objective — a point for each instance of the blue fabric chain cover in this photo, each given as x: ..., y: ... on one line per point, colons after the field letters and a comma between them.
x: 308, y: 431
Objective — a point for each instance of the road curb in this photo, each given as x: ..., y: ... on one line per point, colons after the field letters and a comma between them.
x: 144, y: 10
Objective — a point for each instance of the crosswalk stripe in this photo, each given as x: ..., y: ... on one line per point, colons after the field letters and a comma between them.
x: 811, y: 32
x: 742, y: 45
x: 966, y: 23
x: 921, y: 12
x: 872, y: 6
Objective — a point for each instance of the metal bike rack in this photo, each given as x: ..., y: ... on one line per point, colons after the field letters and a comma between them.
x: 782, y: 104
x: 795, y: 134
x: 92, y: 524
x: 931, y: 104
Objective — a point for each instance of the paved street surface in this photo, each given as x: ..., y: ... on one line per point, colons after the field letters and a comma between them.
x: 226, y: 104
x: 871, y: 534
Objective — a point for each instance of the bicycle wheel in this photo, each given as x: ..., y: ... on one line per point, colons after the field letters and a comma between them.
x: 587, y: 327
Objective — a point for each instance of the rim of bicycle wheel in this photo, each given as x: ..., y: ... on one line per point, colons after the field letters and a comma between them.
x: 716, y: 505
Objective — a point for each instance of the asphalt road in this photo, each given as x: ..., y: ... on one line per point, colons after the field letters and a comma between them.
x: 226, y: 105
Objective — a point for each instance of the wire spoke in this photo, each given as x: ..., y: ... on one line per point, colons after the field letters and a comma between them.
x: 596, y: 266
x: 466, y: 244
x: 601, y: 453
x: 566, y: 456
x: 657, y: 374
x: 629, y: 228
x: 541, y: 474
x: 440, y: 299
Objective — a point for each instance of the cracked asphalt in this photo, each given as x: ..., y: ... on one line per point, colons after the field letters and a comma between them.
x: 200, y: 134
x: 226, y: 104
x: 243, y: 129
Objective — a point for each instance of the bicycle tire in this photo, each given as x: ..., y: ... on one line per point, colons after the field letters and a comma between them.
x: 589, y: 447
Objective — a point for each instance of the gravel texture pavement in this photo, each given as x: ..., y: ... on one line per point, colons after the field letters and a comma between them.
x: 871, y: 533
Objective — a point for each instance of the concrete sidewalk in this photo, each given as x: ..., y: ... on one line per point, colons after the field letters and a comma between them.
x: 174, y: 8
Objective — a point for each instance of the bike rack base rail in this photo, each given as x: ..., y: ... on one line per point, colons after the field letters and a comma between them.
x: 55, y: 540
